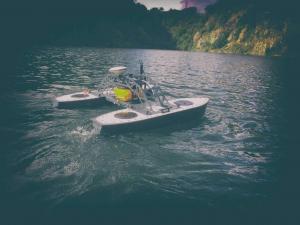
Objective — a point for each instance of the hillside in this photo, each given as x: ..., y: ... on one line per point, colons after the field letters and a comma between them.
x: 120, y: 23
x: 230, y: 26
x: 243, y: 27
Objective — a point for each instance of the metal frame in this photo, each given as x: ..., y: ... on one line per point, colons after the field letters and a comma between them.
x: 138, y: 85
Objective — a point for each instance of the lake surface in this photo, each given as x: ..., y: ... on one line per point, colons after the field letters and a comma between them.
x: 57, y: 169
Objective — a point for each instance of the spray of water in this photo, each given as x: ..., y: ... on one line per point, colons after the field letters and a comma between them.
x: 85, y: 133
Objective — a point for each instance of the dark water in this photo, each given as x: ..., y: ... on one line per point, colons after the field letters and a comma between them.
x: 232, y: 165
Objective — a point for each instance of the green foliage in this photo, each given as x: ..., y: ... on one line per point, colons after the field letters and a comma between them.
x: 233, y: 26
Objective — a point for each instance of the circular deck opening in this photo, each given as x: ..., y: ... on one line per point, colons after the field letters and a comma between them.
x: 183, y: 103
x: 125, y: 115
x: 80, y: 95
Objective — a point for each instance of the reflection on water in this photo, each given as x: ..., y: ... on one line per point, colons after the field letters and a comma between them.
x: 57, y: 155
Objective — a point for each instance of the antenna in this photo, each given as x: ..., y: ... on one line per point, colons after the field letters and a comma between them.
x: 141, y: 67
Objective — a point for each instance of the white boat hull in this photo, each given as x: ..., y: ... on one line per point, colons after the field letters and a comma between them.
x: 110, y: 122
x: 78, y: 98
x: 81, y: 98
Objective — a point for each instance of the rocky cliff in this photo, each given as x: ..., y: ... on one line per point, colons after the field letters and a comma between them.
x: 237, y: 28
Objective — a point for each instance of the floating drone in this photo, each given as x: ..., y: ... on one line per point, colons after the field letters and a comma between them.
x: 143, y: 101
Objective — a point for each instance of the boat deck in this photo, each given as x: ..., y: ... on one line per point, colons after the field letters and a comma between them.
x: 113, y: 118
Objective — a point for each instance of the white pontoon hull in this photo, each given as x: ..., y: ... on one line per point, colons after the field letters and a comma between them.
x: 78, y: 98
x: 109, y: 122
x: 81, y: 98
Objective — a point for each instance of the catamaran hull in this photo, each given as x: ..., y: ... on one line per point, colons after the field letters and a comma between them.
x: 164, y: 119
x: 92, y: 99
x: 84, y: 102
x: 79, y: 99
x: 176, y: 118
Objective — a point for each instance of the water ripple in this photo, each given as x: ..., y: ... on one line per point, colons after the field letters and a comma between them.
x: 61, y: 149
